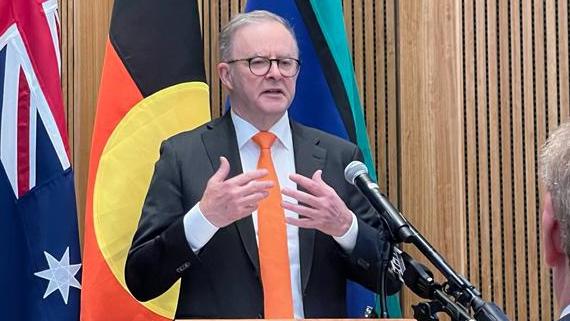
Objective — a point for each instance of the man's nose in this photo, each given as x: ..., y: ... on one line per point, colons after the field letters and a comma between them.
x: 274, y: 70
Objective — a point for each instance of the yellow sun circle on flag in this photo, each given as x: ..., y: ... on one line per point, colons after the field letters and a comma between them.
x: 126, y: 167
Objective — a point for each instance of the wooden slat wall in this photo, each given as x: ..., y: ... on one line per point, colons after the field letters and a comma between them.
x: 84, y: 28
x: 431, y: 126
x: 67, y: 81
x: 515, y: 71
x: 371, y: 33
x: 458, y: 97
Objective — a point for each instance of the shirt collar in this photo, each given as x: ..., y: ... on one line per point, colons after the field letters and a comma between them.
x: 245, y: 130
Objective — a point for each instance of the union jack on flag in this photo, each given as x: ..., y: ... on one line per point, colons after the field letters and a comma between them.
x: 39, y: 242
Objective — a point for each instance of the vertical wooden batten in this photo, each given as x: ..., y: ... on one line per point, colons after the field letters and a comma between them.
x: 89, y: 34
x: 431, y: 135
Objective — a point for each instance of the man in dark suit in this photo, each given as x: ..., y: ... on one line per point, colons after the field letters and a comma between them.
x: 555, y: 172
x: 202, y: 217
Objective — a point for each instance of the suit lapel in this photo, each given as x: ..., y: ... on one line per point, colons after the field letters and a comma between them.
x: 219, y: 141
x: 309, y: 157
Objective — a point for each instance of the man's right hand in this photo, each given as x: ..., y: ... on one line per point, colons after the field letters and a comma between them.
x: 226, y: 201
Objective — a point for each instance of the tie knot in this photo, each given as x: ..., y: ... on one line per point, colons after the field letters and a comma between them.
x: 264, y: 139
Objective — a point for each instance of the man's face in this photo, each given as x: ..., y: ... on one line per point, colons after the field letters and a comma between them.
x: 262, y: 100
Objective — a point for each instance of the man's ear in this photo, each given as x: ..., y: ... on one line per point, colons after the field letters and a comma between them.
x: 225, y: 75
x: 554, y: 253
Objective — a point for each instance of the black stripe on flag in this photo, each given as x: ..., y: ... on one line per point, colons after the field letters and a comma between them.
x: 159, y: 42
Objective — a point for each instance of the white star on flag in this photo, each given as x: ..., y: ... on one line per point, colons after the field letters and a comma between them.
x: 60, y: 274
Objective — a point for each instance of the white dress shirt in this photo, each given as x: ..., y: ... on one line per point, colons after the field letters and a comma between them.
x: 199, y: 230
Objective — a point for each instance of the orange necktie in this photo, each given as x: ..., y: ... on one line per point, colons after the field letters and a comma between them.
x: 272, y: 233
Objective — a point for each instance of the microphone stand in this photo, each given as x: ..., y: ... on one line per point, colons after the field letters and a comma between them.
x: 419, y: 279
x: 463, y: 292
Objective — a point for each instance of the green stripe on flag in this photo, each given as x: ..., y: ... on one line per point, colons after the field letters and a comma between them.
x: 332, y: 26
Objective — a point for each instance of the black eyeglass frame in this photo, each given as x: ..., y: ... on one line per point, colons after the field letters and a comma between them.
x: 271, y: 60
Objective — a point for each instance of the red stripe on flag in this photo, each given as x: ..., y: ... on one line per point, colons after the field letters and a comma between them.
x: 23, y: 135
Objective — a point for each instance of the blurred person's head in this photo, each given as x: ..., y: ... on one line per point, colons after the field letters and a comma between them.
x: 555, y: 174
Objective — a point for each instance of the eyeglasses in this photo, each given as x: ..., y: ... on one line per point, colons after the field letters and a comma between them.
x: 260, y: 66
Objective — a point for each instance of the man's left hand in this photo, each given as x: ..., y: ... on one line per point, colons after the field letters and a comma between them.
x: 319, y: 207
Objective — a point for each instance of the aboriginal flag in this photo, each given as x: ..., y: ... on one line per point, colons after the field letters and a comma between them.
x: 152, y: 87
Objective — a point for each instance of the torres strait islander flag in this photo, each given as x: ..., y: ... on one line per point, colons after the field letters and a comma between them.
x: 152, y: 87
x: 39, y: 243
x: 327, y: 95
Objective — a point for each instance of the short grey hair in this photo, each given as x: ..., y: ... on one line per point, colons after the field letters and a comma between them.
x: 245, y: 19
x: 555, y: 173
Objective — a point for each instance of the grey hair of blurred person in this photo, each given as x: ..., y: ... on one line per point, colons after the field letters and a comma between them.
x: 245, y: 19
x: 555, y: 174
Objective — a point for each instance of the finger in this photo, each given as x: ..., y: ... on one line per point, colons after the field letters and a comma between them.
x: 301, y: 210
x: 317, y: 176
x: 301, y: 197
x: 244, y: 178
x: 306, y: 183
x: 301, y: 222
x: 222, y: 172
x: 255, y: 186
x: 253, y: 199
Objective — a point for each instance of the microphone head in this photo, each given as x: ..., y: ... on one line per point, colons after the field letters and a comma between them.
x: 353, y: 170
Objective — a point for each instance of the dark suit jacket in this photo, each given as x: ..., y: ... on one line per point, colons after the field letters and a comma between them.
x: 565, y: 318
x: 223, y: 279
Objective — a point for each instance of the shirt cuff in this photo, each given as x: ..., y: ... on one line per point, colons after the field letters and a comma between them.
x: 197, y: 229
x: 348, y: 240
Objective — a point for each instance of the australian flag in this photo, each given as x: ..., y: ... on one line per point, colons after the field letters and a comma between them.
x: 39, y: 244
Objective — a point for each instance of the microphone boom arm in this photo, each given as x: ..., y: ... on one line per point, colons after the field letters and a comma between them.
x: 402, y: 231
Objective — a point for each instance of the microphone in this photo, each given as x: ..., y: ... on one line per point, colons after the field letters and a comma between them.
x: 356, y: 174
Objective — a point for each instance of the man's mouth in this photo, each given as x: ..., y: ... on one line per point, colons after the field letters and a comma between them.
x: 273, y: 91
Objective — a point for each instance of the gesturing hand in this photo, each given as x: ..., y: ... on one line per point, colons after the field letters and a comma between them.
x: 226, y: 201
x: 322, y: 208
